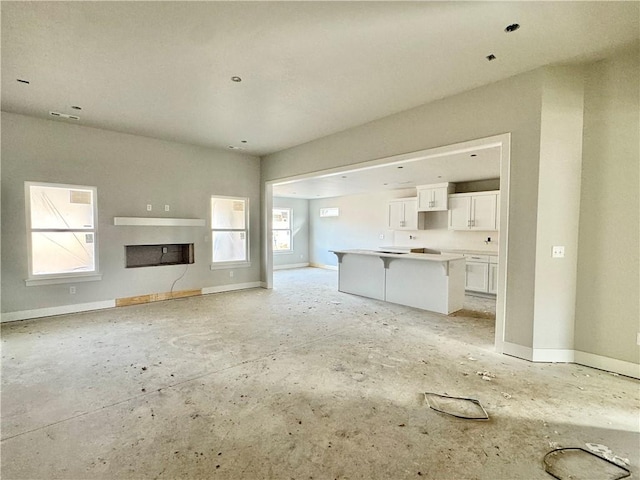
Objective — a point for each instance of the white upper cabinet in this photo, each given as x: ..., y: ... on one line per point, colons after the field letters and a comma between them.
x: 474, y: 211
x: 433, y: 198
x: 403, y: 214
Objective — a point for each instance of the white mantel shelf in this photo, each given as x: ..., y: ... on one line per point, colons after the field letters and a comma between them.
x: 158, y: 222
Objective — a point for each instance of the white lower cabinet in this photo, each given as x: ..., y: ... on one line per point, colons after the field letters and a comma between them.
x: 481, y: 273
x: 493, y: 278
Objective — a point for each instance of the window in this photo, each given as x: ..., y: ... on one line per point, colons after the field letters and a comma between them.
x: 61, y: 236
x: 229, y: 231
x: 282, y: 218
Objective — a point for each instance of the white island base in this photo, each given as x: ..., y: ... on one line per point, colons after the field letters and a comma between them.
x: 421, y: 280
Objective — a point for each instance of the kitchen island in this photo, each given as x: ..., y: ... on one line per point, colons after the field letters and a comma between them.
x: 433, y: 282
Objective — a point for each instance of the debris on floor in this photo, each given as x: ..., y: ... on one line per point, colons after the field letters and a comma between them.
x: 607, y: 453
x: 467, y: 408
x: 486, y: 375
x: 577, y: 463
x: 506, y: 395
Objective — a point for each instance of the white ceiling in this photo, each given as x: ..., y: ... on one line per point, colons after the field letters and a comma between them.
x: 482, y: 163
x: 308, y: 69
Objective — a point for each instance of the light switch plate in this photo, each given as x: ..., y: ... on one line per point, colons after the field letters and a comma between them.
x: 557, y: 252
x: 149, y: 207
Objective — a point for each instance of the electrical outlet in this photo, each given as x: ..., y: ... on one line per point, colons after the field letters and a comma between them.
x: 165, y: 249
x: 149, y: 207
x: 166, y: 208
x: 231, y: 273
x: 381, y: 236
x: 557, y: 252
x: 72, y: 290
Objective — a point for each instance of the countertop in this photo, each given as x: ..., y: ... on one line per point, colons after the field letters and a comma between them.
x: 429, y: 257
x: 471, y: 252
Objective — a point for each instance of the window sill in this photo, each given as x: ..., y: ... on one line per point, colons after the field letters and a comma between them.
x: 53, y: 280
x: 283, y: 252
x: 227, y: 265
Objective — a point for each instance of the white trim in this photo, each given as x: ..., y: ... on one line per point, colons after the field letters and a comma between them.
x: 322, y: 265
x: 51, y: 311
x: 553, y: 355
x: 519, y: 351
x: 265, y: 285
x: 158, y: 222
x: 91, y: 277
x: 607, y: 363
x: 230, y: 288
x: 291, y: 265
x: 228, y: 265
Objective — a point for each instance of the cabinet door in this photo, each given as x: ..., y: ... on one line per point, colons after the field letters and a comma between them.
x: 395, y: 215
x: 493, y: 278
x: 424, y: 199
x: 483, y: 212
x: 440, y: 198
x: 459, y: 213
x: 410, y: 215
x: 477, y: 278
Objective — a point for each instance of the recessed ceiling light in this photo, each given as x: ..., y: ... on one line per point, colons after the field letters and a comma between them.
x: 236, y: 79
x: 439, y: 176
x: 512, y: 28
x: 473, y: 155
x: 344, y: 176
x: 243, y: 141
x: 385, y: 184
x: 490, y: 57
x: 400, y: 167
x: 22, y: 81
x: 75, y: 107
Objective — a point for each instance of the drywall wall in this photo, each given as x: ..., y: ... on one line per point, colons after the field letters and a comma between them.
x: 608, y: 290
x: 363, y: 220
x: 558, y: 207
x: 510, y: 106
x: 300, y: 233
x: 129, y: 172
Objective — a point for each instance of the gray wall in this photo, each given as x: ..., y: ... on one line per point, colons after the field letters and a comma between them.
x: 129, y: 172
x: 300, y: 253
x: 607, y: 310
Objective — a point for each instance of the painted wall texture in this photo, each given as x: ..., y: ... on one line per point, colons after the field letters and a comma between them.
x: 129, y: 172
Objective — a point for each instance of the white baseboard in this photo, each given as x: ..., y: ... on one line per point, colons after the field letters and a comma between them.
x: 291, y: 265
x: 609, y: 364
x: 230, y: 288
x: 322, y: 265
x: 572, y: 356
x: 51, y: 311
x: 515, y: 350
x: 553, y: 355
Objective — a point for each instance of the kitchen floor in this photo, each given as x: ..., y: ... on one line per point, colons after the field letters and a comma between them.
x: 297, y: 382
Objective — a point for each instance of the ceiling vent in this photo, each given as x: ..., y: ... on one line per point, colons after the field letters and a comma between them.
x: 64, y: 115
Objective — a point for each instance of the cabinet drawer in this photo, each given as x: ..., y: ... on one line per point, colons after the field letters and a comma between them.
x: 477, y: 258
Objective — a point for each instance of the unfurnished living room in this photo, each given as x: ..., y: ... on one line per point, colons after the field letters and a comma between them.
x: 320, y: 240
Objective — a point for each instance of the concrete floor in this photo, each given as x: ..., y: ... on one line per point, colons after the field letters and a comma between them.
x: 299, y: 382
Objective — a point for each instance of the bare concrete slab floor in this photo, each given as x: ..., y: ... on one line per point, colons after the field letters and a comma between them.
x: 300, y: 382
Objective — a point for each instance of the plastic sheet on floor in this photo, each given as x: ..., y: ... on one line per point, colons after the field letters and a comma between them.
x: 467, y: 408
x: 577, y: 464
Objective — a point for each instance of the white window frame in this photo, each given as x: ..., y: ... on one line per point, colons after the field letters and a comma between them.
x: 290, y: 229
x: 233, y: 263
x: 68, y: 277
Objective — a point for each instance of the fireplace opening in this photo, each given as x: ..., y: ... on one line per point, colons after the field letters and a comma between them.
x: 156, y: 255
